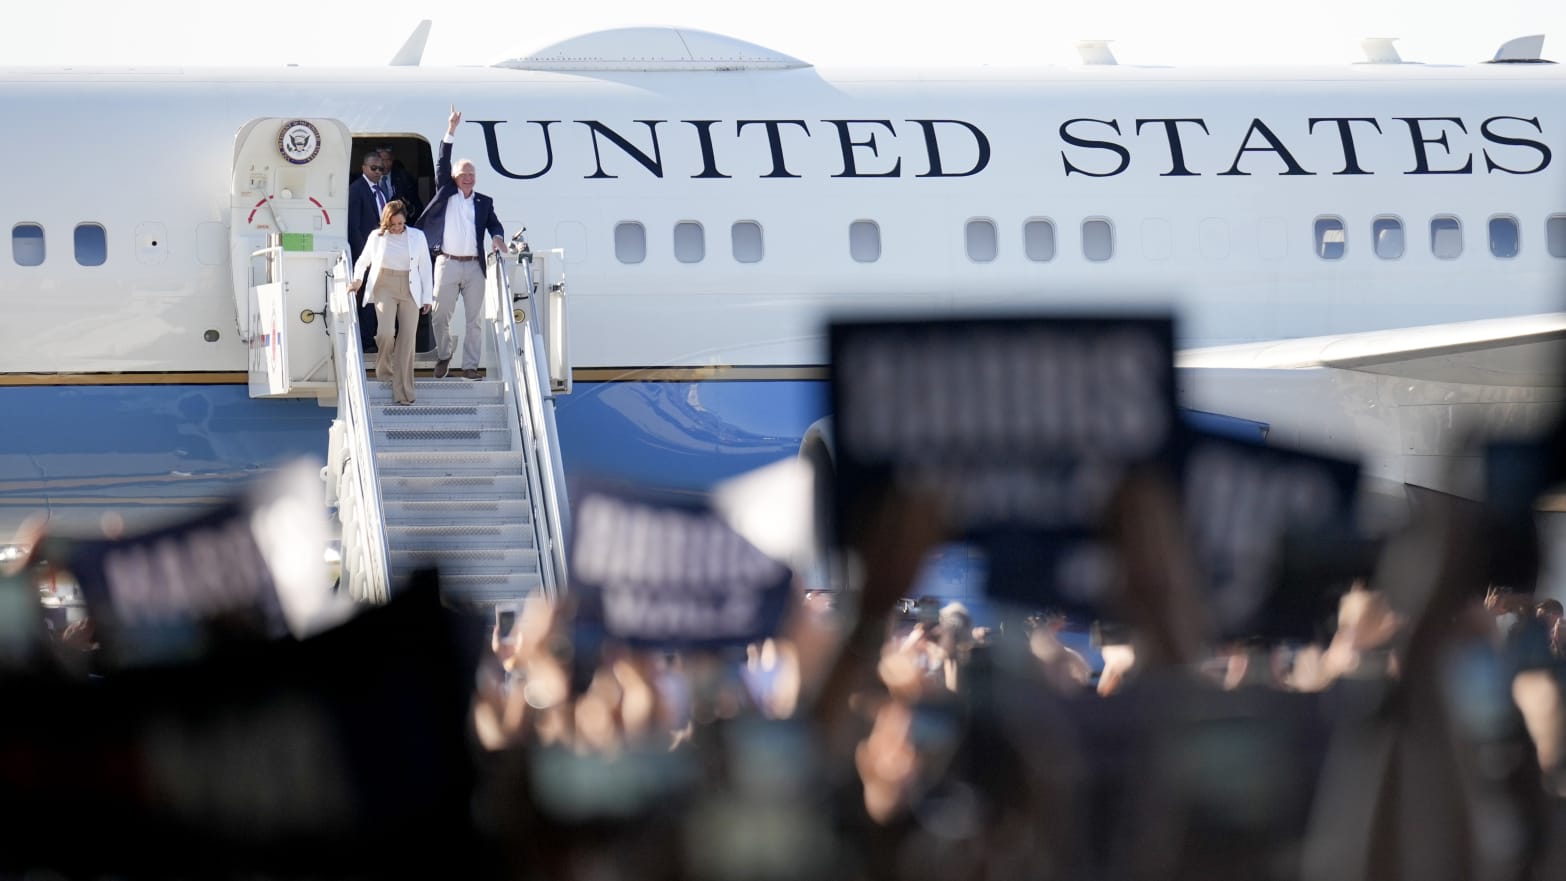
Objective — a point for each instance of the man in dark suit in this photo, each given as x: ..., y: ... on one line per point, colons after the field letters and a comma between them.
x: 397, y: 183
x: 455, y: 222
x: 365, y: 201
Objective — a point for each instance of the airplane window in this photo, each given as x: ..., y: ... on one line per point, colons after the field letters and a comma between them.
x: 27, y: 244
x: 1157, y: 239
x: 1038, y: 240
x: 864, y: 241
x: 982, y: 244
x: 630, y: 242
x: 1503, y: 236
x: 1212, y: 236
x: 1555, y: 234
x: 1388, y: 234
x: 1098, y: 240
x: 1272, y: 238
x: 1331, y: 240
x: 746, y: 235
x: 91, y: 247
x: 690, y: 244
x: 1446, y: 238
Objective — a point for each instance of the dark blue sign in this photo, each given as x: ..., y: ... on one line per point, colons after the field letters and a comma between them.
x: 1242, y: 501
x: 1018, y: 430
x: 669, y: 573
x: 180, y: 592
x: 1517, y: 472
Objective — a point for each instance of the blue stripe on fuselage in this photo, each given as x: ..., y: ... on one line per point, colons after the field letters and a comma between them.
x: 153, y: 452
x: 684, y: 435
x: 156, y: 451
x: 150, y: 452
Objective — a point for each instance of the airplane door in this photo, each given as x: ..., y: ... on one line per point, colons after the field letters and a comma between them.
x: 288, y: 222
x: 290, y: 178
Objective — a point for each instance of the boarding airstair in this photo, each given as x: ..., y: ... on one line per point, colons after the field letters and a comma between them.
x: 468, y: 479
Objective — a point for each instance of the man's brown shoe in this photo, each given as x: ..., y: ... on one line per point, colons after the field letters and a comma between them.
x: 442, y: 367
x: 470, y: 373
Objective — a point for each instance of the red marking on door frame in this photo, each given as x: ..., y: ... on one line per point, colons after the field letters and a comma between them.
x: 257, y: 207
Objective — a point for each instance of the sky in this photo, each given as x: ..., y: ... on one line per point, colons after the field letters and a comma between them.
x: 827, y: 33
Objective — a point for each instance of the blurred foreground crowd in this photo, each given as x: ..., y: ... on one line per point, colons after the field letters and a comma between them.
x: 1423, y: 737
x: 873, y: 736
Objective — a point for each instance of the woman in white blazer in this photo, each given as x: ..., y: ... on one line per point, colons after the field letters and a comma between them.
x: 401, y: 285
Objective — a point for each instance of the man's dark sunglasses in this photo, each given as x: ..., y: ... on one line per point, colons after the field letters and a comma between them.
x: 373, y: 167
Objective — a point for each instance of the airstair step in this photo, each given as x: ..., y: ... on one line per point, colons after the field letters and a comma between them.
x: 440, y: 438
x: 413, y: 512
x: 448, y: 536
x: 481, y: 560
x: 447, y: 463
x: 489, y: 588
x: 475, y: 486
x: 451, y: 414
x: 443, y: 391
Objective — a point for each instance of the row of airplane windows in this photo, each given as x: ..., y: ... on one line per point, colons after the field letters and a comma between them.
x: 1446, y: 237
x: 981, y: 237
x: 27, y: 244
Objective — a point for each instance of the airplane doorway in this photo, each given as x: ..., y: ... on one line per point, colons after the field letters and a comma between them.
x: 412, y: 164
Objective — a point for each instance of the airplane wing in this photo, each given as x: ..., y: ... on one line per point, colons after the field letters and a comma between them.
x: 1527, y: 351
x: 1413, y: 403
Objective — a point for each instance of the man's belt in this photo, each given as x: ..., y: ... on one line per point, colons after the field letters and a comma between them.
x: 453, y: 256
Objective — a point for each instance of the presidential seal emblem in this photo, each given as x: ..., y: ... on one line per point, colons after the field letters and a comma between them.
x: 299, y: 141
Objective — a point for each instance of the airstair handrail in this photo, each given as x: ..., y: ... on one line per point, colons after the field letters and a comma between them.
x: 520, y: 364
x: 368, y: 529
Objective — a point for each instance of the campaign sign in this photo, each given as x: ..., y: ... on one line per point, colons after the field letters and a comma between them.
x: 1242, y: 501
x: 1019, y: 430
x: 669, y: 573
x: 250, y: 569
x: 179, y: 592
x: 1517, y: 472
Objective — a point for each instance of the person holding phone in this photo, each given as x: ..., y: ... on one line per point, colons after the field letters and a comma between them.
x: 503, y: 642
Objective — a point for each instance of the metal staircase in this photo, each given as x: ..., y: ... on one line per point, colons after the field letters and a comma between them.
x: 452, y: 488
x: 468, y: 479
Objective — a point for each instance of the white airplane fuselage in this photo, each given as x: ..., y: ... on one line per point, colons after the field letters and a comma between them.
x: 1201, y: 190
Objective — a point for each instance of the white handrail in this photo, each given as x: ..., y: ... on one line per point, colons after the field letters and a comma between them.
x: 368, y: 526
x: 535, y: 359
x: 519, y: 366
